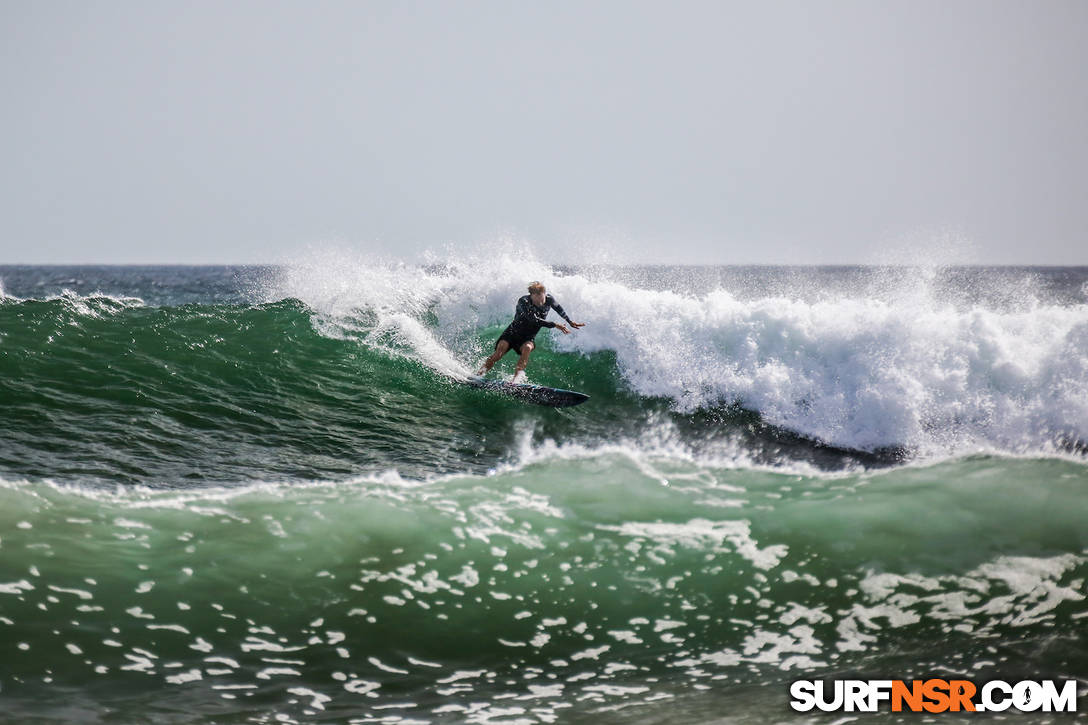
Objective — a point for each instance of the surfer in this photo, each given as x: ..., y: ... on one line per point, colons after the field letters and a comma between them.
x: 528, y: 319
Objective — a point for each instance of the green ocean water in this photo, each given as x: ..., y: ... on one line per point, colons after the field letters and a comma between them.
x: 104, y: 390
x: 240, y: 496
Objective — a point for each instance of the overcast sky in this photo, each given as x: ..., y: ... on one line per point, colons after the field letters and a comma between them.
x: 697, y: 132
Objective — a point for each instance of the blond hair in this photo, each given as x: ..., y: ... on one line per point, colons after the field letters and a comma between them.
x: 535, y: 287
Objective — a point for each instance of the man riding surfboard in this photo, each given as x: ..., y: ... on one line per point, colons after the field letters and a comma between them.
x: 529, y: 317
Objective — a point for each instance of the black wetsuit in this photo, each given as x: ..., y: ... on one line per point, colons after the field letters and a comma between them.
x: 528, y: 319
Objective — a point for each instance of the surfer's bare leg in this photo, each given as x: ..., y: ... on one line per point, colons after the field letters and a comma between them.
x: 523, y: 360
x: 500, y: 349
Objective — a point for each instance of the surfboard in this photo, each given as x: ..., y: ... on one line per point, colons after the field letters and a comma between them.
x: 539, y: 394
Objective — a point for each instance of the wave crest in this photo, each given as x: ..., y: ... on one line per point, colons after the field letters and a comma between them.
x: 902, y: 358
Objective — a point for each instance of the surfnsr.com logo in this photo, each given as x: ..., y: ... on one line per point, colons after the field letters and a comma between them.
x: 933, y: 695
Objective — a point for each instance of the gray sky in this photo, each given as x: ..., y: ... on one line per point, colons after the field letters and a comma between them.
x: 716, y: 132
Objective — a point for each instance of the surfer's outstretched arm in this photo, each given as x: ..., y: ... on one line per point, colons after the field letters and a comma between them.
x: 562, y: 313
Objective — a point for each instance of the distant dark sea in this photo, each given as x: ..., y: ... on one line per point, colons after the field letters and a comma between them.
x: 263, y: 495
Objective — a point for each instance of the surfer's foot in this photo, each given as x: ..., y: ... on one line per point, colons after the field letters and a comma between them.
x: 519, y: 376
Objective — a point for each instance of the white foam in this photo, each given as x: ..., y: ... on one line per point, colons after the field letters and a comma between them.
x: 699, y: 533
x: 893, y: 364
x: 97, y: 304
x: 859, y: 373
x: 385, y: 303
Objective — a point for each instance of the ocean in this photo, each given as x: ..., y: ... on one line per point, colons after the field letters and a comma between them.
x: 262, y: 494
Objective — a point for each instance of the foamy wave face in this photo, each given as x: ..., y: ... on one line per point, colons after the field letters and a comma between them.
x: 431, y: 311
x: 887, y: 366
x: 859, y: 373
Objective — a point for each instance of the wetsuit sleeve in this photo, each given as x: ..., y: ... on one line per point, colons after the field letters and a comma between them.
x: 558, y: 308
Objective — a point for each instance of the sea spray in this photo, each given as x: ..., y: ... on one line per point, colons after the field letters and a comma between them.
x: 889, y: 361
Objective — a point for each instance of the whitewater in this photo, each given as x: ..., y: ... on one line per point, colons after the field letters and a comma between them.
x: 261, y: 494
x: 895, y: 363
